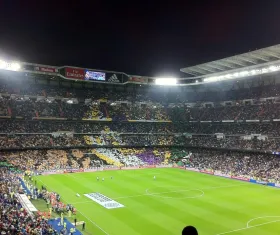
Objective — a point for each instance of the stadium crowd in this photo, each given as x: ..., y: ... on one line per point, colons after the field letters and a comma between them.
x: 253, y: 165
x: 14, y: 218
x: 110, y: 110
x: 257, y: 166
x: 32, y: 88
x: 51, y: 118
x: 49, y: 102
x: 258, y: 143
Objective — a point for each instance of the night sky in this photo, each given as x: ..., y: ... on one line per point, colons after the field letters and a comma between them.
x: 141, y: 38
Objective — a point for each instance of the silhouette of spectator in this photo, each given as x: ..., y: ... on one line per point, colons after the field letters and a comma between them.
x: 189, y: 230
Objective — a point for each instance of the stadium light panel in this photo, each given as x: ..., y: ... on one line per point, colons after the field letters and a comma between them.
x: 229, y: 76
x: 264, y: 70
x: 211, y: 79
x: 166, y: 81
x: 253, y: 71
x: 3, y: 64
x: 236, y: 75
x: 273, y: 68
x: 15, y: 66
x: 245, y: 73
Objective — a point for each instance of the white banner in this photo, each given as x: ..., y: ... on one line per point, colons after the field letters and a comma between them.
x: 104, y: 201
x: 221, y: 174
x: 164, y: 166
x: 94, y: 169
x: 130, y: 168
x: 26, y: 202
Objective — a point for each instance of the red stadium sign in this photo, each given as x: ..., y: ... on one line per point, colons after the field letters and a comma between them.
x: 207, y: 172
x: 222, y: 175
x: 73, y: 170
x: 240, y: 178
x: 192, y: 169
x: 46, y: 69
x: 148, y: 166
x: 74, y: 73
x: 138, y: 79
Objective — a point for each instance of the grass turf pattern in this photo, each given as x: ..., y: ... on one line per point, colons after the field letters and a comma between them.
x: 177, y: 198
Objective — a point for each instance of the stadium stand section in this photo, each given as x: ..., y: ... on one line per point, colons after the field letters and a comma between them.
x: 54, y: 122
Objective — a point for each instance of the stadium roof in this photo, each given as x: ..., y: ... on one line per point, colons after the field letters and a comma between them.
x: 267, y: 55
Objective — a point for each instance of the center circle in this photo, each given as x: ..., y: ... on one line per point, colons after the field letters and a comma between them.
x: 174, y: 192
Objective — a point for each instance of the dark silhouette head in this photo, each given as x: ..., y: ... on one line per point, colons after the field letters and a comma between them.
x: 189, y: 230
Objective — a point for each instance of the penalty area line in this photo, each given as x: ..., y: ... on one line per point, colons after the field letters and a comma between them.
x: 245, y: 228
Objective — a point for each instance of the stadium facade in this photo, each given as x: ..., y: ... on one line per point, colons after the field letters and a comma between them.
x: 250, y: 69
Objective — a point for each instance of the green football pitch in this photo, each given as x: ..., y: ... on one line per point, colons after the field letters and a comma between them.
x: 164, y: 205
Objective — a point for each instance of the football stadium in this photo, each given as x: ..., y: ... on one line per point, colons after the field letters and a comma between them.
x: 86, y: 151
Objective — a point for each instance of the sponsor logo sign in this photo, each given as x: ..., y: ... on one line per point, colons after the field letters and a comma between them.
x: 46, y: 69
x: 74, y: 73
x: 277, y: 185
x: 104, y: 201
x: 221, y: 174
x: 148, y: 166
x: 207, y: 172
x: 164, y: 166
x: 138, y: 79
x: 113, y: 79
x: 240, y: 178
x: 94, y: 169
x: 52, y: 172
x: 261, y: 182
x: 130, y: 168
x: 192, y: 169
x: 111, y: 168
x: 73, y: 170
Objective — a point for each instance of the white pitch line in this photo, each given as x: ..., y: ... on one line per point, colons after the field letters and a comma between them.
x: 261, y: 217
x: 184, y: 190
x: 245, y: 228
x: 95, y: 224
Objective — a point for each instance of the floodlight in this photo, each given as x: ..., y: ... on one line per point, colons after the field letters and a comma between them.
x: 244, y: 73
x: 228, y: 76
x: 70, y: 101
x: 3, y: 64
x: 211, y: 79
x: 264, y: 70
x: 15, y: 66
x: 253, y: 71
x: 166, y: 81
x: 273, y: 68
